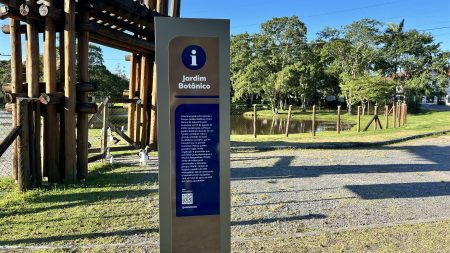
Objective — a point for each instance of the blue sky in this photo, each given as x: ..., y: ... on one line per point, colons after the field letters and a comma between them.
x: 246, y: 15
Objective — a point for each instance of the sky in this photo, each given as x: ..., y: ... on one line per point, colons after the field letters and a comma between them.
x: 431, y: 16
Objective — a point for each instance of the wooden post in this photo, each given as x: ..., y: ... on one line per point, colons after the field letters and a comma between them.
x: 313, y: 126
x: 399, y: 114
x: 138, y: 123
x: 132, y: 91
x: 61, y: 111
x: 162, y: 6
x: 145, y: 71
x: 338, y: 123
x: 69, y: 92
x: 406, y: 114
x: 32, y: 76
x: 23, y: 176
x: 288, y: 125
x: 16, y: 79
x: 254, y: 121
x: 175, y: 8
x: 153, y: 110
x: 359, y: 119
x: 137, y: 84
x: 375, y: 112
x: 394, y: 114
x: 51, y: 149
x: 82, y: 97
x: 386, y: 113
x: 105, y: 128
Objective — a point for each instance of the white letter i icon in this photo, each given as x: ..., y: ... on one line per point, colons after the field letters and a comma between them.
x: 194, y: 58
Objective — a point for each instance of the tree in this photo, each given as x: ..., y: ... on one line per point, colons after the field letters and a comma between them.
x: 351, y: 52
x: 414, y: 61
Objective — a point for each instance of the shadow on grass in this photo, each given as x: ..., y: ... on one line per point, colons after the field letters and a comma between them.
x: 99, y: 187
x: 51, y: 239
x: 401, y: 190
x: 280, y: 219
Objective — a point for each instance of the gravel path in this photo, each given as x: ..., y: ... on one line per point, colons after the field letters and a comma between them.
x: 296, y: 191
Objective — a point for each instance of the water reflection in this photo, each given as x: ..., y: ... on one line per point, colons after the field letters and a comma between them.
x: 276, y: 125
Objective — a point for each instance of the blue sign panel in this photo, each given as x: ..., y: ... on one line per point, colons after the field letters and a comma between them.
x: 197, y: 159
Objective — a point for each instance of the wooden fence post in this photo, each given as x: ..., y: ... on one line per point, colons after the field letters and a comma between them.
x: 23, y: 175
x: 288, y: 120
x: 359, y: 119
x: 375, y: 112
x: 394, y: 113
x: 313, y: 125
x: 105, y: 128
x: 386, y: 113
x: 254, y: 121
x: 338, y: 123
x: 406, y: 114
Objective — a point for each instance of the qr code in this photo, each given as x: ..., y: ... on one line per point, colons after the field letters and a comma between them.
x: 187, y: 199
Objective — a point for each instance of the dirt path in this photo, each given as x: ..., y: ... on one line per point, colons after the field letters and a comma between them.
x: 281, y: 193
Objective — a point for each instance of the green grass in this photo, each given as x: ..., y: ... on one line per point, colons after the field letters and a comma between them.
x: 118, y: 204
x: 114, y: 203
x: 425, y: 122
x: 423, y: 237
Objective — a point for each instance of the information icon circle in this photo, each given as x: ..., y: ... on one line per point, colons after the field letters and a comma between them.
x: 193, y: 57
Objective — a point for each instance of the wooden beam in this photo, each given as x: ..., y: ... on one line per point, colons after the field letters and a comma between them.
x: 119, y: 22
x: 9, y: 139
x: 129, y: 40
x: 10, y: 12
x: 130, y: 10
x: 69, y: 92
x: 52, y: 99
x: 11, y: 97
x: 86, y: 108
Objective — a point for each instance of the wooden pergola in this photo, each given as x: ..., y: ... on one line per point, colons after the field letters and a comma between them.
x: 63, y: 104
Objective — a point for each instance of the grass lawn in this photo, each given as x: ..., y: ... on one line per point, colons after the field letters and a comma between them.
x: 417, y: 124
x: 119, y: 205
x: 116, y: 204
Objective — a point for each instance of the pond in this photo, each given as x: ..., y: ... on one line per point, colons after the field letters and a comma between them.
x: 244, y: 125
x: 277, y: 125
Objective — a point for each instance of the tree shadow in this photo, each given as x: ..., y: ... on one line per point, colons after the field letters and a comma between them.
x: 401, y: 190
x: 278, y: 219
x: 431, y: 158
x: 60, y: 238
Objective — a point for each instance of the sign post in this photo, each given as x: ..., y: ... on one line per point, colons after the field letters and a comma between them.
x: 192, y: 61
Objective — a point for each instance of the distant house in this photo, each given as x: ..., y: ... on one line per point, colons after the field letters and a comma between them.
x: 436, y: 99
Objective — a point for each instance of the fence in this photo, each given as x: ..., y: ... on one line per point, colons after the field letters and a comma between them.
x: 6, y: 159
x: 112, y: 115
x: 108, y: 129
